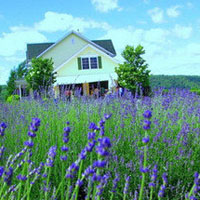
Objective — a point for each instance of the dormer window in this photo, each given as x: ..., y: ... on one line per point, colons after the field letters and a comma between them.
x: 89, y: 62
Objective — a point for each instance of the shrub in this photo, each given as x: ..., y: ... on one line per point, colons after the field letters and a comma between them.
x: 13, y: 98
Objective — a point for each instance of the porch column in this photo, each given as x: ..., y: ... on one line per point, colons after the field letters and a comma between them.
x: 85, y: 88
x: 56, y: 91
x: 20, y: 91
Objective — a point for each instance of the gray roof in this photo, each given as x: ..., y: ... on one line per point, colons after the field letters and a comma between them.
x: 34, y: 50
x: 106, y: 44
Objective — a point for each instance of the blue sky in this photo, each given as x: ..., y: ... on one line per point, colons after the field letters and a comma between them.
x: 169, y: 30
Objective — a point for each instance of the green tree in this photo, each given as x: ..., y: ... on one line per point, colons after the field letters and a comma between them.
x: 21, y: 70
x: 15, y: 73
x: 40, y: 76
x: 11, y: 82
x: 134, y: 70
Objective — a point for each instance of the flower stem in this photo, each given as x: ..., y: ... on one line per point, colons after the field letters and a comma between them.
x: 143, y: 174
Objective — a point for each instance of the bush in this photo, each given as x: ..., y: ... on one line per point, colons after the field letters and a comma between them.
x: 195, y: 90
x: 13, y: 98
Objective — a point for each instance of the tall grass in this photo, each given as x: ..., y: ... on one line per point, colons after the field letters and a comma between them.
x: 173, y: 146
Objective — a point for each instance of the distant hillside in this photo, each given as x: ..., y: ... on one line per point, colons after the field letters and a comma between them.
x: 175, y: 81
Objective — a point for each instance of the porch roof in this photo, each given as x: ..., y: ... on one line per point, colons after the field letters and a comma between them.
x: 85, y: 78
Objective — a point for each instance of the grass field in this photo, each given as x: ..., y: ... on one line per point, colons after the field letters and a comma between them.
x: 109, y: 148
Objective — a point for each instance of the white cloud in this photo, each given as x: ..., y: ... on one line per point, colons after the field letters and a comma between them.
x: 17, y: 39
x: 54, y: 22
x: 162, y: 53
x: 183, y: 32
x: 189, y: 5
x: 173, y: 11
x: 4, y: 74
x: 157, y: 15
x: 106, y: 5
x: 153, y: 40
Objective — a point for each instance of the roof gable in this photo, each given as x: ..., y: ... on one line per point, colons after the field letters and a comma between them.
x: 106, y: 44
x: 39, y: 49
x: 33, y: 50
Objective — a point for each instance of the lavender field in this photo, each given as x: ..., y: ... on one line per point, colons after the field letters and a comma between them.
x: 113, y: 148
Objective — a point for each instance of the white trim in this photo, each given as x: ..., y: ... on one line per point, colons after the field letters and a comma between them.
x: 82, y: 37
x: 76, y: 54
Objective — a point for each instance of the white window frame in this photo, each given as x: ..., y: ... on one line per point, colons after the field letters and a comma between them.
x: 90, y: 56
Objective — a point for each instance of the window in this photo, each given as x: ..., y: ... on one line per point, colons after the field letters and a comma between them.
x: 89, y: 62
x: 93, y: 63
x: 85, y: 63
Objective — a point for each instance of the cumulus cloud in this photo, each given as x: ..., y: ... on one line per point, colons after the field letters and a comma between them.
x: 54, y: 22
x: 162, y: 54
x: 157, y: 15
x: 17, y: 39
x: 4, y: 74
x: 173, y: 11
x: 106, y: 5
x: 183, y: 32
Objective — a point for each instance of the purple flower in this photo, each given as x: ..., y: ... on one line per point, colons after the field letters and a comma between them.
x: 96, y: 177
x: 153, y: 177
x: 101, y: 151
x: 126, y: 185
x: 164, y: 177
x: 64, y: 148
x: 65, y: 140
x: 99, y: 163
x: 49, y: 162
x: 63, y: 158
x: 145, y: 140
x: 52, y: 152
x: 31, y: 134
x: 79, y: 183
x: 107, y: 116
x: 88, y: 171
x: 83, y: 154
x: 36, y: 122
x: 144, y: 170
x: 102, y: 122
x: 3, y: 126
x: 8, y: 175
x: 1, y: 171
x: 29, y: 143
x: 115, y: 181
x: 67, y: 130
x: 105, y: 142
x: 90, y: 146
x: 147, y: 125
x: 147, y: 114
x: 91, y: 135
x: 93, y: 126
x: 21, y: 177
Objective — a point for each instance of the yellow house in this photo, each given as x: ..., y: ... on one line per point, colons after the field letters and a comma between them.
x: 79, y: 62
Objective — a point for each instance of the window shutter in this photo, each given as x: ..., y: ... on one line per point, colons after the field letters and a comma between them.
x: 79, y: 63
x: 100, y: 62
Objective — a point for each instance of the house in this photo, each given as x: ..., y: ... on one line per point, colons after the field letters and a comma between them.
x: 78, y: 62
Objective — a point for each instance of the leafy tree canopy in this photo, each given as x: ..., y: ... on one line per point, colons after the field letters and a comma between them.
x: 134, y: 70
x: 15, y: 73
x: 40, y: 75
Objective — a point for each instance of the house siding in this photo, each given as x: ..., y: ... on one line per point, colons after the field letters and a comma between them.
x: 65, y: 49
x: 71, y: 68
